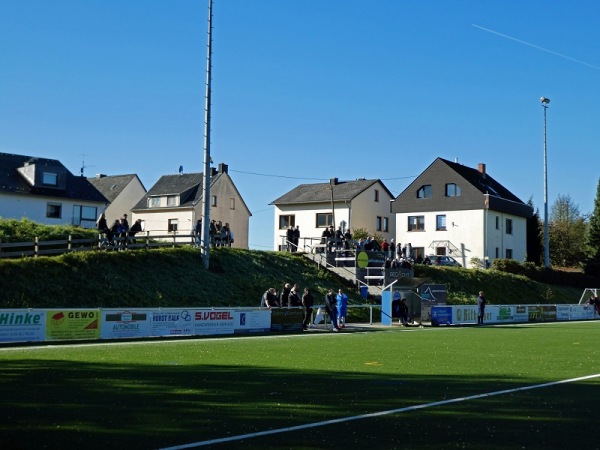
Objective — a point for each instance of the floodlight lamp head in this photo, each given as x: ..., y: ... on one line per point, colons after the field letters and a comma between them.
x: 545, y: 100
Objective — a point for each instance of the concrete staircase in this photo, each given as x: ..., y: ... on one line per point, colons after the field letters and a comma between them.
x: 343, y: 270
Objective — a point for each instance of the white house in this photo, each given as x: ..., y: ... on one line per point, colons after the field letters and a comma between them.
x: 44, y: 191
x: 122, y: 191
x: 174, y: 204
x: 347, y: 204
x: 454, y: 210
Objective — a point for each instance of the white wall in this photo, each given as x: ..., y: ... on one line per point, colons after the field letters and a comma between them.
x: 465, y: 230
x: 34, y: 209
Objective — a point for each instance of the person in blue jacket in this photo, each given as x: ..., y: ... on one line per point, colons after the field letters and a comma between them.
x: 342, y: 308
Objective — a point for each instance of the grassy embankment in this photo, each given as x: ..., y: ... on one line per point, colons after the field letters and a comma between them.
x: 176, y: 277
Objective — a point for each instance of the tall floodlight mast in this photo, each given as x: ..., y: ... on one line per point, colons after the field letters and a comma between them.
x: 206, y: 177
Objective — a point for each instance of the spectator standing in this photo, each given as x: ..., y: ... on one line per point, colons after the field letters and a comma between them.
x: 481, y: 302
x: 102, y: 227
x: 269, y: 298
x: 285, y: 294
x: 294, y: 297
x: 135, y: 228
x: 385, y: 246
x: 307, y: 304
x: 331, y: 308
x: 198, y: 233
x: 342, y: 308
x: 347, y: 239
x: 296, y: 236
x: 392, y: 249
x: 289, y: 238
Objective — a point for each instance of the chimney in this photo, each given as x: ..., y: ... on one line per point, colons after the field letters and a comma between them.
x: 213, y: 172
x: 481, y: 168
x: 223, y: 168
x: 333, y: 181
x: 100, y: 175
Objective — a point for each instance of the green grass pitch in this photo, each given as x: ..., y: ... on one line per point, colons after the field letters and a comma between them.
x: 170, y: 393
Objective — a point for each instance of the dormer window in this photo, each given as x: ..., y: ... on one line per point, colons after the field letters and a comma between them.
x: 154, y: 202
x: 171, y: 200
x: 424, y: 191
x: 50, y: 179
x: 452, y: 190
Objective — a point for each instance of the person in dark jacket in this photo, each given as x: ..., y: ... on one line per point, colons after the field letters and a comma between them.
x: 307, y: 303
x: 481, y: 302
x: 269, y: 299
x: 331, y: 308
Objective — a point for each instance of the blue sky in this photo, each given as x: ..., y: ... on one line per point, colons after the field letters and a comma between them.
x: 306, y: 90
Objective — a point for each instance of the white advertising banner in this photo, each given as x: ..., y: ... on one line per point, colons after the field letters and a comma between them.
x: 252, y: 321
x: 172, y: 322
x: 213, y: 321
x: 22, y: 325
x: 125, y: 323
x: 581, y: 312
x: 563, y: 312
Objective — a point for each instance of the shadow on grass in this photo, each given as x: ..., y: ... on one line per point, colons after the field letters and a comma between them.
x: 56, y: 404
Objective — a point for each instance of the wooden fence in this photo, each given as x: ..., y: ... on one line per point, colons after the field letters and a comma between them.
x: 56, y: 247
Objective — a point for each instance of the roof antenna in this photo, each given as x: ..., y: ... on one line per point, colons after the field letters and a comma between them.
x: 83, y: 166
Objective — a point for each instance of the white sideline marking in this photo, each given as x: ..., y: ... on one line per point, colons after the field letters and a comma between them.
x: 375, y: 414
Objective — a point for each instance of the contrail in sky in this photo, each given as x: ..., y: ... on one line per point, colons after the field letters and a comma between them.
x: 537, y: 47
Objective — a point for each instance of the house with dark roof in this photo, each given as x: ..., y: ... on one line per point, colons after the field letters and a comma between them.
x: 174, y: 204
x: 45, y: 191
x: 344, y: 204
x: 123, y: 192
x: 451, y: 209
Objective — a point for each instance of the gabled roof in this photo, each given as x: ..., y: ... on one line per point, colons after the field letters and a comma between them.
x: 13, y: 182
x: 483, y: 182
x: 188, y: 186
x: 321, y: 192
x: 112, y: 185
x: 478, y: 191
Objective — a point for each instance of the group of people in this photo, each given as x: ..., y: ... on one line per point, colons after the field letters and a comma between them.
x: 119, y: 229
x: 338, y: 239
x: 220, y: 235
x: 289, y: 297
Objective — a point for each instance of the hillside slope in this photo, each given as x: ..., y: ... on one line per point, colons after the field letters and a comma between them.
x: 176, y: 277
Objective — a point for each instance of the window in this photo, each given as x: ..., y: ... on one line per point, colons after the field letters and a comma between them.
x: 231, y: 203
x: 440, y: 222
x: 416, y: 223
x: 509, y: 227
x: 54, y: 210
x: 324, y: 220
x: 154, y: 202
x: 378, y: 223
x: 452, y: 190
x: 50, y: 179
x: 213, y: 200
x: 171, y: 200
x: 287, y: 221
x: 376, y: 195
x: 173, y: 225
x: 497, y: 222
x: 509, y: 253
x: 386, y: 224
x: 83, y: 213
x: 424, y: 191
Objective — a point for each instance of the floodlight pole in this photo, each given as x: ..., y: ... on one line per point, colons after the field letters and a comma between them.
x: 206, y: 176
x: 544, y: 101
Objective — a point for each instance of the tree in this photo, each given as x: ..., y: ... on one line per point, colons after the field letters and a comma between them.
x: 535, y: 236
x: 592, y: 265
x: 567, y: 233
